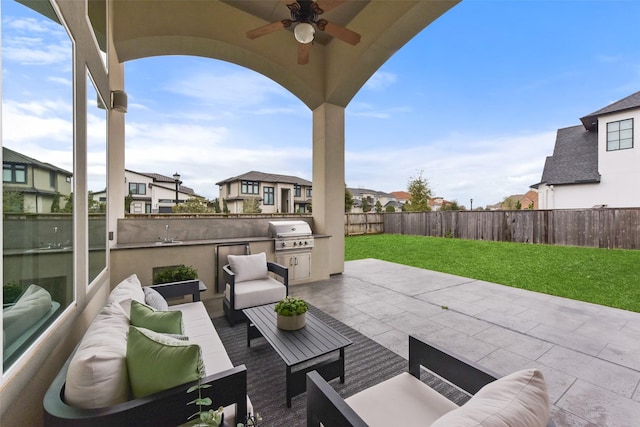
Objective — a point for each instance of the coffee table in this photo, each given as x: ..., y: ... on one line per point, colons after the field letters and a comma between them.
x: 299, y: 347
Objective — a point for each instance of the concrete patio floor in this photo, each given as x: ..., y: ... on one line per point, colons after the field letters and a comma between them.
x: 589, y: 354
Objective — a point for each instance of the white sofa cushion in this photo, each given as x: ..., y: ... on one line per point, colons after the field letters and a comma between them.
x: 517, y: 400
x: 97, y: 374
x: 400, y: 401
x: 249, y: 267
x: 256, y: 292
x: 153, y: 299
x: 129, y: 288
x: 34, y: 303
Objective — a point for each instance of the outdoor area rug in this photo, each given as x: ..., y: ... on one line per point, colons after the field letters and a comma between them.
x: 366, y: 363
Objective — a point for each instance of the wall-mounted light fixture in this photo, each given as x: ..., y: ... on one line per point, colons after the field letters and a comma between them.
x: 119, y: 101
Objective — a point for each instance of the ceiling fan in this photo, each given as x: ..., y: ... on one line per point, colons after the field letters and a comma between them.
x: 305, y: 15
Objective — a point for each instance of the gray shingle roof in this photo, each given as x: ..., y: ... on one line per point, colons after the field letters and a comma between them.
x: 361, y: 191
x: 590, y: 121
x: 574, y: 159
x: 10, y: 156
x: 267, y: 177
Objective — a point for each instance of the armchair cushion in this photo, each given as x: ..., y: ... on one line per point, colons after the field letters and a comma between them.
x: 256, y: 292
x: 517, y: 400
x: 169, y: 322
x: 249, y: 267
x: 157, y: 362
x: 412, y: 401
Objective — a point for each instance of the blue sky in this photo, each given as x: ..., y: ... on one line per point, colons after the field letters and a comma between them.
x: 473, y: 102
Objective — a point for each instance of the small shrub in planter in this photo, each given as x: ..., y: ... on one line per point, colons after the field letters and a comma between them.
x: 291, y: 306
x: 176, y: 273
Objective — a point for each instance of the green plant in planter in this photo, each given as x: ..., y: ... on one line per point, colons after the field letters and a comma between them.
x: 176, y: 273
x: 291, y: 306
x: 11, y: 292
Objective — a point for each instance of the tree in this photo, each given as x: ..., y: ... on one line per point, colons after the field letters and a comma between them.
x: 192, y: 205
x: 55, y: 204
x: 216, y: 205
x: 518, y: 205
x: 378, y: 206
x: 389, y: 209
x: 251, y: 206
x: 348, y: 199
x: 12, y: 201
x: 420, y: 194
x: 95, y: 206
x: 451, y: 206
x: 68, y: 206
x: 509, y: 203
x: 127, y: 202
x: 366, y: 206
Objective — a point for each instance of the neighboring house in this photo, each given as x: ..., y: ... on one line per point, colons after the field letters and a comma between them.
x: 272, y: 193
x: 596, y: 164
x: 529, y: 200
x: 37, y: 181
x: 151, y: 192
x: 360, y: 195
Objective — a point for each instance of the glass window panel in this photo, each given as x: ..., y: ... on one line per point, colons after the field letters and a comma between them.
x: 626, y: 143
x: 96, y: 179
x: 613, y: 126
x: 37, y: 92
x: 626, y: 124
x: 627, y: 133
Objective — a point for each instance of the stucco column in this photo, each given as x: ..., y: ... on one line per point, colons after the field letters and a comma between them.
x: 115, y: 155
x: 328, y: 180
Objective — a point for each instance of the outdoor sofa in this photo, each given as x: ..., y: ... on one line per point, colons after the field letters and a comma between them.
x: 517, y: 400
x: 97, y: 384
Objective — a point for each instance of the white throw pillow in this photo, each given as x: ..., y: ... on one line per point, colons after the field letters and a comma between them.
x: 517, y: 400
x: 153, y: 299
x: 34, y: 303
x: 97, y: 374
x: 129, y: 288
x: 249, y: 267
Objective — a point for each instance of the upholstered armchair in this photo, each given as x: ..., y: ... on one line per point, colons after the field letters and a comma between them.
x: 249, y: 283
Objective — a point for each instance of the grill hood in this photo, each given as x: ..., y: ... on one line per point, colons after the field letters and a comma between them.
x: 289, y: 229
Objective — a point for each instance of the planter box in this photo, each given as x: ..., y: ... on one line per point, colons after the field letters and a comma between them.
x: 291, y: 323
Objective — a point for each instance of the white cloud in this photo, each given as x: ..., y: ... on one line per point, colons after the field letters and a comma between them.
x: 50, y: 46
x: 380, y: 80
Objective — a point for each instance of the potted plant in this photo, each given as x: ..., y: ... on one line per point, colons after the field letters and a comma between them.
x: 291, y: 313
x: 176, y: 273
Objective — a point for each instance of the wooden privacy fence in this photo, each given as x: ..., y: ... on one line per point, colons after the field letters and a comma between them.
x: 600, y: 228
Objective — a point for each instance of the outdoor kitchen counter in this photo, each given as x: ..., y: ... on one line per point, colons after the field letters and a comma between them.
x: 222, y: 241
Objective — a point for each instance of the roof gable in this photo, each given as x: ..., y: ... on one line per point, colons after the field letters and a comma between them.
x: 10, y: 156
x: 574, y: 159
x: 590, y: 121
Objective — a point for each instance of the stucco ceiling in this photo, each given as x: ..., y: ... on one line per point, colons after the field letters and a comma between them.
x: 217, y: 29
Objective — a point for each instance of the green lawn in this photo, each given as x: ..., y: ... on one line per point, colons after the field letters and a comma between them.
x: 603, y: 276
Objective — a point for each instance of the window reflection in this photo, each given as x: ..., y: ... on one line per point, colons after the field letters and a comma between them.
x: 97, y: 179
x: 37, y: 179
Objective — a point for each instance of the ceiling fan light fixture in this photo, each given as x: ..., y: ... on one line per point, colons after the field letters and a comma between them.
x: 304, y: 32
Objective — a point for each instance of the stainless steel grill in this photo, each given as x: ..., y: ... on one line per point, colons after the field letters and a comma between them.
x: 291, y: 235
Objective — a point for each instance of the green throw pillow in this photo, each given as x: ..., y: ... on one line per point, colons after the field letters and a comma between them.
x: 156, y: 362
x: 143, y: 316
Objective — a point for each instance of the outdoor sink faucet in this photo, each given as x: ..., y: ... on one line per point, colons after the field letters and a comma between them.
x: 167, y: 239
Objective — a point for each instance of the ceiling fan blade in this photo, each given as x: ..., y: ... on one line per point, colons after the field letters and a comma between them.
x: 303, y: 53
x: 344, y: 34
x: 327, y: 5
x: 265, y: 29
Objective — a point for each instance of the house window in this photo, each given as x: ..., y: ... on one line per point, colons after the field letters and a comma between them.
x: 14, y: 173
x: 52, y: 179
x: 297, y: 191
x: 268, y: 196
x: 137, y: 188
x: 250, y: 187
x: 308, y: 192
x: 620, y: 135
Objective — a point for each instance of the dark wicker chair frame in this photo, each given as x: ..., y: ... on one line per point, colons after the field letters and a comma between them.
x: 324, y: 404
x: 235, y: 316
x: 165, y: 408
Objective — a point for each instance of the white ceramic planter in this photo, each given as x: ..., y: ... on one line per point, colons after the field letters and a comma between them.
x: 291, y: 323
